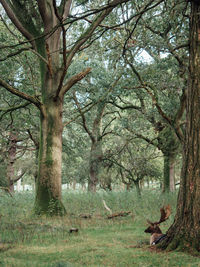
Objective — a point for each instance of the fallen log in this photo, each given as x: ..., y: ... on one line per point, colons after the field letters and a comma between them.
x: 116, y: 214
x: 119, y: 214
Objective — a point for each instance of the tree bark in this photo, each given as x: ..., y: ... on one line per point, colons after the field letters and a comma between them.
x: 184, y: 234
x: 96, y: 152
x: 169, y: 182
x: 94, y: 165
x: 12, y: 150
x: 48, y: 184
x: 169, y: 144
x: 172, y: 176
x: 137, y: 186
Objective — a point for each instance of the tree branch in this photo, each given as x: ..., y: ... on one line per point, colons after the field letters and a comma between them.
x: 104, y: 130
x: 18, y: 93
x: 86, y: 35
x: 73, y: 80
x: 18, y: 177
x: 149, y: 141
x: 16, y: 21
x: 83, y: 119
x: 10, y: 109
x: 15, y: 53
x: 35, y: 141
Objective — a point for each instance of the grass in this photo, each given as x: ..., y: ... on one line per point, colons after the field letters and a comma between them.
x: 26, y: 240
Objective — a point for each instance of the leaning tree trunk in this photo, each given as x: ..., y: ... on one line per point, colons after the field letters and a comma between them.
x: 184, y: 234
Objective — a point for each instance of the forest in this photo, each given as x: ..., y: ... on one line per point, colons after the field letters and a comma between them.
x: 99, y: 131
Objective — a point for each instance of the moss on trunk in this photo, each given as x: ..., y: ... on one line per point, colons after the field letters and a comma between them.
x: 48, y: 187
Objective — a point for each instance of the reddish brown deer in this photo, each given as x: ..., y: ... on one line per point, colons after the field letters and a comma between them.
x: 154, y: 229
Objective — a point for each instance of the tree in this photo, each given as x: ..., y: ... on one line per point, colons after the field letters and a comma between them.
x: 184, y: 234
x: 42, y: 23
x: 158, y: 85
x: 95, y: 126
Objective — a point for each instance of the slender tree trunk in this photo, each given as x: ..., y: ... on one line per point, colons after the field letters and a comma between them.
x: 94, y: 165
x: 11, y: 159
x: 137, y: 186
x: 169, y: 182
x: 166, y: 174
x: 172, y: 176
x: 96, y: 152
x: 128, y: 186
x: 184, y: 234
x: 169, y: 144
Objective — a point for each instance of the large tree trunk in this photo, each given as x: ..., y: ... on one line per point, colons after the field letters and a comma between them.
x: 48, y: 184
x: 184, y: 234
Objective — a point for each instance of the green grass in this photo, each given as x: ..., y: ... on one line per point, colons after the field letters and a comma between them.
x: 26, y: 240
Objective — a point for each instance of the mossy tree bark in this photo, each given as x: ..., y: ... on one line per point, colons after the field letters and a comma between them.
x: 184, y: 234
x: 48, y: 184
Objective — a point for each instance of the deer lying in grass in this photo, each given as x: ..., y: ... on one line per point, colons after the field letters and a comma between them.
x: 154, y: 229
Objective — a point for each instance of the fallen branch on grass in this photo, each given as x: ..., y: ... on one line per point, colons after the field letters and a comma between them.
x: 119, y: 214
x: 116, y: 214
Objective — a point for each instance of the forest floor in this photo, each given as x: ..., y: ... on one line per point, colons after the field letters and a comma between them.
x: 26, y: 240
